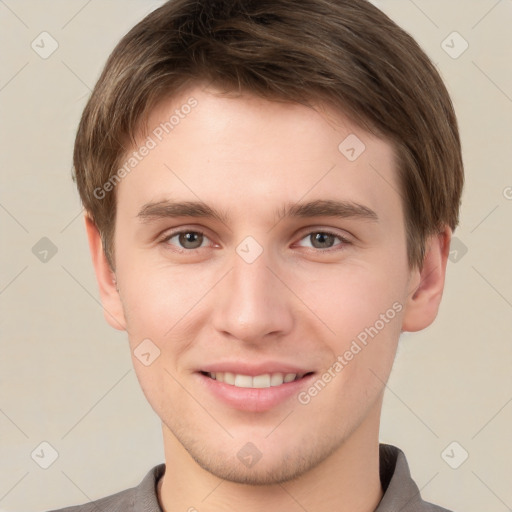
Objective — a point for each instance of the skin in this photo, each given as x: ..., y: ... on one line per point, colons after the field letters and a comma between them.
x: 298, y: 302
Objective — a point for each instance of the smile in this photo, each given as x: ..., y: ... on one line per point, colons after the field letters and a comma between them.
x: 254, y: 393
x: 265, y: 380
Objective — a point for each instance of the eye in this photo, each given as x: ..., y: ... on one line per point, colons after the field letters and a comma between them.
x: 186, y: 239
x: 189, y: 240
x: 324, y: 240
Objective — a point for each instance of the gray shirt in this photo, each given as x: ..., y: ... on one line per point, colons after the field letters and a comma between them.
x: 401, y: 494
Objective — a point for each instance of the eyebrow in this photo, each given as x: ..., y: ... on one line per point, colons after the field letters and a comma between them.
x: 319, y: 208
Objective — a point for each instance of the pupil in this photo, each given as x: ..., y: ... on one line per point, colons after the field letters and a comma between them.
x: 191, y: 238
x: 322, y: 238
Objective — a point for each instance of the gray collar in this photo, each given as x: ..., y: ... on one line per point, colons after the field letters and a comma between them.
x: 401, y: 494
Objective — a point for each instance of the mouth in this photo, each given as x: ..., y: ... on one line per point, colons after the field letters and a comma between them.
x: 265, y: 380
x: 253, y: 386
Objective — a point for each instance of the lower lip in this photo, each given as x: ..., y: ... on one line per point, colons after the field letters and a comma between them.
x: 254, y: 399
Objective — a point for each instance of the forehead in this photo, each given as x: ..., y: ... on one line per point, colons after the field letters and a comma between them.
x: 243, y: 152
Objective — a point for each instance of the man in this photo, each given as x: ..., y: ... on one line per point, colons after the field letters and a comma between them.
x: 271, y: 189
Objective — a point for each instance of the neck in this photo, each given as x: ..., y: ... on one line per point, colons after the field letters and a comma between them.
x: 347, y: 480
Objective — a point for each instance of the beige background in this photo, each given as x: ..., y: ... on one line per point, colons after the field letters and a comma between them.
x: 66, y: 377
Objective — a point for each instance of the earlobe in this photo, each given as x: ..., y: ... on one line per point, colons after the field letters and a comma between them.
x: 427, y: 284
x: 106, y: 278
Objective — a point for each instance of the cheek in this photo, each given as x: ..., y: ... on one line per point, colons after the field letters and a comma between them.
x: 367, y: 326
x: 163, y: 302
x: 354, y: 297
x: 362, y: 304
x: 160, y: 384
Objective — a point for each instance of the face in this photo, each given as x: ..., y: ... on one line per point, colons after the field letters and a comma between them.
x: 272, y: 307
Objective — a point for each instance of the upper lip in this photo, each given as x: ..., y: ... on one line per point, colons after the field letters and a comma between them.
x: 251, y: 369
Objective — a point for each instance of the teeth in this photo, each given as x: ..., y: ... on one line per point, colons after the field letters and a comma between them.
x: 229, y: 378
x: 277, y: 379
x: 259, y: 381
x: 243, y: 381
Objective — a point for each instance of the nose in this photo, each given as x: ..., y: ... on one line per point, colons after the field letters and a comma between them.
x: 252, y: 304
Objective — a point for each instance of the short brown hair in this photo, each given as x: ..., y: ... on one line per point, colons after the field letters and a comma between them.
x: 345, y: 53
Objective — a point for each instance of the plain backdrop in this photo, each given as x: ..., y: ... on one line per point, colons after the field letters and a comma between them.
x: 66, y: 377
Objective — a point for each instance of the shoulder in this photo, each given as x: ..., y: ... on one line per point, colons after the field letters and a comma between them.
x: 123, y: 500
x: 430, y: 507
x: 143, y: 497
x: 400, y: 490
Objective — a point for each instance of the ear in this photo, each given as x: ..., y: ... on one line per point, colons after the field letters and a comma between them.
x: 427, y: 284
x: 112, y: 305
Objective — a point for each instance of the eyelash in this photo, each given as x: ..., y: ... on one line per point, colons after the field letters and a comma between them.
x: 344, y: 241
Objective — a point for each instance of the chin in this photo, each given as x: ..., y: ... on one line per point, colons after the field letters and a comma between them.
x: 261, y: 474
x: 263, y: 462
